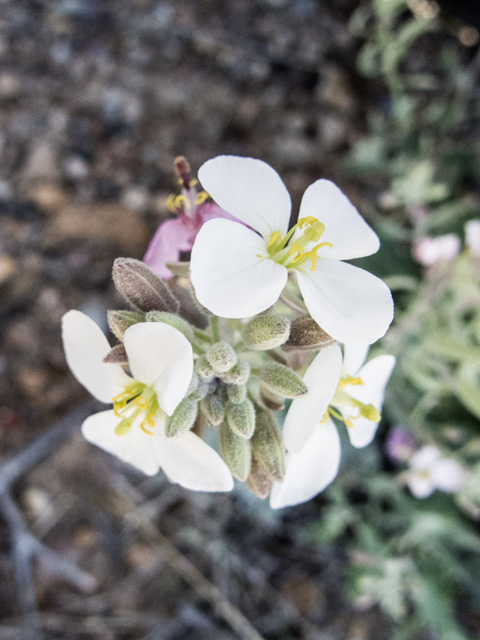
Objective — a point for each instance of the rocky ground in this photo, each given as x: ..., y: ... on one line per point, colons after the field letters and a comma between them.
x: 96, y: 100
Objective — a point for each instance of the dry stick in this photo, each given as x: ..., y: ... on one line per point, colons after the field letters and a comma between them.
x: 25, y: 546
x: 188, y: 571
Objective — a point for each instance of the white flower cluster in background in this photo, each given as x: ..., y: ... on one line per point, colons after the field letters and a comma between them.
x: 276, y: 315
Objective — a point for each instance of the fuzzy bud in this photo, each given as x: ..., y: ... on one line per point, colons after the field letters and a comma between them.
x: 119, y: 321
x: 238, y: 374
x: 174, y: 321
x: 144, y: 290
x: 266, y: 332
x: 270, y: 400
x: 241, y: 418
x: 200, y: 392
x: 236, y: 452
x: 268, y: 447
x: 182, y: 419
x: 204, y: 368
x: 258, y: 481
x: 214, y: 409
x: 236, y: 393
x: 282, y: 380
x: 306, y: 335
x: 116, y: 355
x: 221, y: 356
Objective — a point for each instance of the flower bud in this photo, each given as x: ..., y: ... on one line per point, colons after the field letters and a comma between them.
x: 214, y: 409
x: 238, y: 374
x: 182, y: 419
x: 204, y: 368
x: 116, y: 355
x: 270, y: 400
x: 306, y: 335
x: 258, y: 482
x: 200, y: 392
x: 144, y: 290
x: 241, y: 418
x: 236, y: 393
x: 236, y: 452
x: 266, y: 332
x: 119, y: 321
x: 268, y: 447
x: 221, y: 356
x: 282, y: 380
x: 174, y: 321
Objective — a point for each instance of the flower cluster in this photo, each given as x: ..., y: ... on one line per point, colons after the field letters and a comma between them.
x: 269, y: 308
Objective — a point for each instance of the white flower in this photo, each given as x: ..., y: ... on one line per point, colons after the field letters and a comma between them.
x: 472, y: 237
x: 161, y: 362
x: 429, y: 251
x: 239, y: 270
x: 351, y: 393
x: 429, y: 470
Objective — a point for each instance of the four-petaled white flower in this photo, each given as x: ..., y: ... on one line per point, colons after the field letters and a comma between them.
x: 351, y: 393
x: 430, y: 470
x: 238, y: 271
x: 161, y: 362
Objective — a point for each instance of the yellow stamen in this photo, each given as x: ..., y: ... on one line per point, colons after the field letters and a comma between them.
x: 346, y: 380
x: 275, y: 237
x: 171, y: 203
x: 307, y: 221
x: 201, y: 197
x: 140, y: 402
x: 150, y: 422
x: 296, y: 253
x: 182, y: 200
x: 312, y: 254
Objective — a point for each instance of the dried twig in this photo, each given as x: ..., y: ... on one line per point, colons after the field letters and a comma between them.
x: 25, y: 546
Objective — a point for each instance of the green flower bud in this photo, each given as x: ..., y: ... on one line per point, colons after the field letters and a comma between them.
x: 221, y: 356
x: 144, y: 290
x: 270, y: 400
x: 174, y: 321
x: 266, y: 332
x: 268, y: 447
x: 116, y: 355
x: 200, y: 392
x: 213, y: 408
x: 258, y: 482
x: 282, y: 380
x: 182, y: 419
x: 236, y: 393
x: 241, y: 418
x: 236, y: 452
x: 119, y: 321
x: 306, y: 335
x: 204, y: 368
x: 238, y: 374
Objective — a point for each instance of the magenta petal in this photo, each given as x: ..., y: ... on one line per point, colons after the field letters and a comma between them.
x: 209, y: 211
x: 171, y: 237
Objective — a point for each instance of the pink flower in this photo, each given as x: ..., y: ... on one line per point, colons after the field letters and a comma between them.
x: 178, y: 234
x: 429, y: 251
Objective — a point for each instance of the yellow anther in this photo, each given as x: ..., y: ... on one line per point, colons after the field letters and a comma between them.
x: 312, y: 254
x: 193, y: 182
x: 326, y: 417
x: 148, y: 422
x: 275, y: 237
x: 182, y: 200
x: 346, y: 380
x: 170, y: 202
x: 306, y: 222
x: 296, y: 253
x: 118, y: 406
x: 140, y: 402
x: 121, y: 395
x: 201, y: 197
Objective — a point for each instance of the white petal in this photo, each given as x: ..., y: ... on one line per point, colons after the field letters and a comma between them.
x: 250, y: 190
x: 349, y: 303
x: 353, y: 357
x: 160, y: 356
x: 85, y: 347
x: 420, y: 485
x: 229, y: 277
x: 137, y: 448
x: 344, y: 226
x: 425, y: 458
x: 193, y: 464
x: 375, y: 375
x: 311, y: 470
x: 448, y: 475
x: 305, y: 413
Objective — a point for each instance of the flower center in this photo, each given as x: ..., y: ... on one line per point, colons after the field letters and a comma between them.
x: 295, y: 254
x: 135, y: 400
x: 344, y: 399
